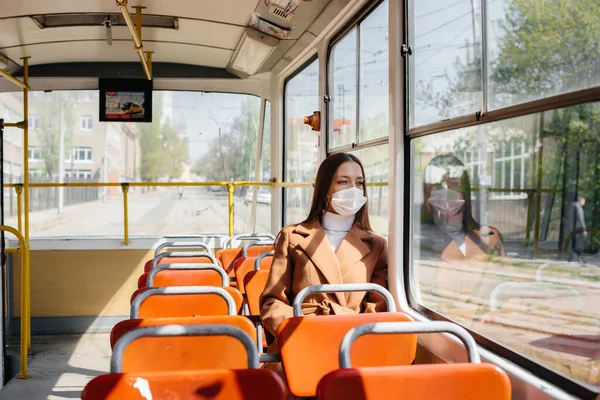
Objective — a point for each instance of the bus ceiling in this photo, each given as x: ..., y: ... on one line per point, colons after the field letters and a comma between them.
x: 213, y: 39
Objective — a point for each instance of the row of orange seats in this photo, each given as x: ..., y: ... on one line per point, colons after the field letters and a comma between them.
x: 215, y: 356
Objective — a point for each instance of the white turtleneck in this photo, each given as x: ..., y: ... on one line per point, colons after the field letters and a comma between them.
x: 336, y: 227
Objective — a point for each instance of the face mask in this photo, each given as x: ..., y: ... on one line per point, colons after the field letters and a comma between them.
x: 447, y: 204
x: 347, y: 202
x: 446, y: 200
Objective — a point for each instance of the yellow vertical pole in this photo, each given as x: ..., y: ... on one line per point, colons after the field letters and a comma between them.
x: 230, y: 187
x: 125, y: 188
x: 19, y: 190
x: 26, y: 145
x: 528, y: 223
x: 25, y: 273
x: 25, y: 346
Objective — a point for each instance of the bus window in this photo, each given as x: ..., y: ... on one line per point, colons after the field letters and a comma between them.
x: 505, y: 231
x: 301, y: 143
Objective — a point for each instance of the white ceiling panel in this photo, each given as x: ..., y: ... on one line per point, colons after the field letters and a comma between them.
x: 23, y: 31
x: 231, y: 11
x: 99, y: 51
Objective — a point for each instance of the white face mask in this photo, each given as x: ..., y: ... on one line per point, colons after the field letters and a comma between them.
x: 347, y: 202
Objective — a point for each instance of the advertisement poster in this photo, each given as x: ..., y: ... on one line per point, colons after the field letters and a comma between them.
x: 125, y: 105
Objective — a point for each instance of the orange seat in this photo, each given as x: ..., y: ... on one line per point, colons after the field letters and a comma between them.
x: 127, y: 325
x: 417, y: 382
x: 228, y: 256
x: 187, y: 275
x: 324, y: 334
x: 180, y: 258
x: 186, y: 301
x: 251, y: 384
x: 184, y: 348
x: 245, y: 266
x: 254, y: 283
x: 254, y: 251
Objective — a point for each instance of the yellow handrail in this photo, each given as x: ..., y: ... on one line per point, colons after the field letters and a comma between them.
x: 25, y: 300
x: 125, y: 188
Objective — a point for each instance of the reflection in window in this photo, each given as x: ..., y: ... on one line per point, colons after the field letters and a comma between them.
x: 484, y: 256
x: 301, y: 143
x: 375, y: 161
x: 445, y: 68
x: 541, y: 49
x: 343, y: 90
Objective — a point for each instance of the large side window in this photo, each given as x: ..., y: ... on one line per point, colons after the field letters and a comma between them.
x: 359, y: 82
x: 301, y: 154
x: 359, y: 110
x: 505, y: 218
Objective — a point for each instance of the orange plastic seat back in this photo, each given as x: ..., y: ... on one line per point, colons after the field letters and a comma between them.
x: 254, y: 251
x: 322, y: 335
x: 187, y: 305
x: 246, y: 266
x: 238, y: 321
x: 179, y: 260
x: 250, y: 384
x: 417, y: 382
x: 189, y: 277
x: 228, y: 256
x: 254, y: 283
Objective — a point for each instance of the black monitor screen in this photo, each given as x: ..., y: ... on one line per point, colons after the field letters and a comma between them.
x: 125, y: 100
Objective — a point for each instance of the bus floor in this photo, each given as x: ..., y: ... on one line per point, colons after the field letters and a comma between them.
x: 61, y: 366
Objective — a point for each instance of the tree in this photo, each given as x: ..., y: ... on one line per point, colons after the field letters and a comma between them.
x: 548, y: 47
x: 231, y: 155
x: 55, y: 112
x: 164, y: 153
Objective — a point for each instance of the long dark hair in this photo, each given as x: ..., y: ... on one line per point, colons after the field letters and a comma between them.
x: 323, y: 182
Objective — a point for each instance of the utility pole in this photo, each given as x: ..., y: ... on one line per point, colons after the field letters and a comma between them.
x: 61, y: 153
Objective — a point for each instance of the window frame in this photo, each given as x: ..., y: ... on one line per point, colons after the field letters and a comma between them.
x: 483, y: 117
x: 308, y: 62
x: 355, y: 22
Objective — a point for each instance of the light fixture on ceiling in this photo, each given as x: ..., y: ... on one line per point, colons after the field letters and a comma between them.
x: 3, y: 62
x: 252, y: 52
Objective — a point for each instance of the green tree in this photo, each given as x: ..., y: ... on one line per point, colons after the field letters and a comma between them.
x: 55, y: 112
x: 547, y: 47
x: 164, y: 153
x: 231, y: 155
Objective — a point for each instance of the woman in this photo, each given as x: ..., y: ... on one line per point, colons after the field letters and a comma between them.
x: 455, y: 233
x: 454, y: 245
x: 335, y: 244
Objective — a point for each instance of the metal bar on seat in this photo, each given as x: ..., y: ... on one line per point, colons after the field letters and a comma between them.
x: 181, y: 245
x: 344, y: 287
x: 169, y: 290
x: 116, y: 361
x: 407, y: 327
x: 260, y: 243
x: 260, y: 257
x: 186, y: 267
x: 183, y: 254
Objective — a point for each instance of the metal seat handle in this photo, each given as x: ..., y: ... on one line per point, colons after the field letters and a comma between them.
x: 187, y: 267
x: 260, y: 257
x: 406, y: 327
x: 116, y: 361
x: 346, y: 287
x: 183, y: 254
x: 165, y: 291
x: 180, y: 245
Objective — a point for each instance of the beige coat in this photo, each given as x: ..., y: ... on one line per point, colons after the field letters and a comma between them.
x: 304, y: 257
